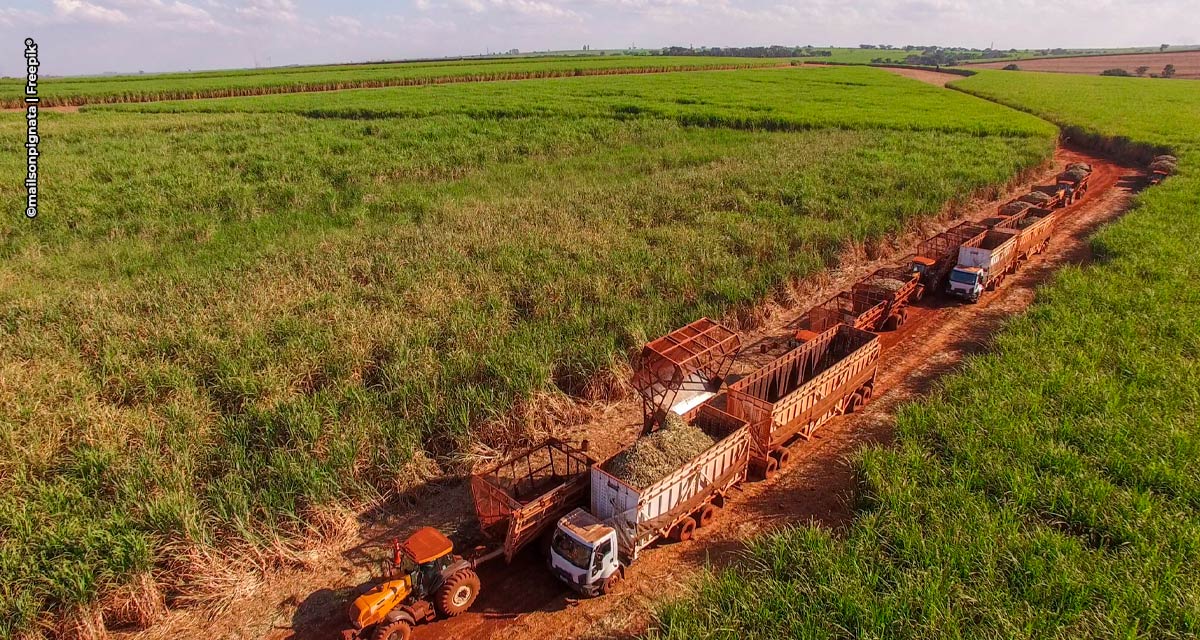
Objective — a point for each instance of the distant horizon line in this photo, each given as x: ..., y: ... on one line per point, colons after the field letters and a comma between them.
x: 600, y: 52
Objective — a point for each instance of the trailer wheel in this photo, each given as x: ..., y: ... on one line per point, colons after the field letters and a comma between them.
x: 855, y: 404
x: 785, y: 457
x: 769, y: 469
x: 705, y: 516
x: 398, y: 630
x: 684, y: 530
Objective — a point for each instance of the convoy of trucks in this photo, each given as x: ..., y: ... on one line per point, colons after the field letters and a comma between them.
x: 593, y: 524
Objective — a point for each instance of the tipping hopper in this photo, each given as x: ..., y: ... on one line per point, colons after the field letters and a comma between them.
x: 683, y: 369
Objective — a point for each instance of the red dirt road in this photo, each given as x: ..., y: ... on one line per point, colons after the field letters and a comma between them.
x: 524, y: 601
x: 938, y: 78
x: 1187, y: 63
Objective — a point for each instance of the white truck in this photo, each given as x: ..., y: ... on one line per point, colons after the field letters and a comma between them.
x: 591, y: 547
x: 984, y: 261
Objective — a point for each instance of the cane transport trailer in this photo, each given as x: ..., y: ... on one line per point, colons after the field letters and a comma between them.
x: 878, y: 302
x: 803, y: 389
x: 520, y: 499
x: 592, y: 547
x: 896, y: 286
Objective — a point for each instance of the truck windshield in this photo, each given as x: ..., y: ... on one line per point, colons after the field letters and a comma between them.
x: 962, y: 277
x: 570, y: 550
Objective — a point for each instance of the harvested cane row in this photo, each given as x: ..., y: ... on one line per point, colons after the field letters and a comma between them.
x: 375, y: 83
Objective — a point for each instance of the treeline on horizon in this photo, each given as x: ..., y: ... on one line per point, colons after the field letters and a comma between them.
x: 926, y: 55
x: 918, y: 54
x: 773, y: 51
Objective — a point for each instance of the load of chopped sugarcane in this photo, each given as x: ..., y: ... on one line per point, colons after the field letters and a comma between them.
x: 1036, y: 197
x: 654, y: 456
x: 1074, y: 175
x: 887, y: 284
x: 1163, y: 166
x: 1013, y: 208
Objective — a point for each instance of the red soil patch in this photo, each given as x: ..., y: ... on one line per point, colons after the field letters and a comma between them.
x: 1187, y: 63
x: 938, y: 78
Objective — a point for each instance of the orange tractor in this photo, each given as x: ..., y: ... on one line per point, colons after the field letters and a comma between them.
x: 426, y: 581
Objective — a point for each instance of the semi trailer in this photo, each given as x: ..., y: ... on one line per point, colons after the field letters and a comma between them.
x: 1075, y: 181
x: 791, y: 397
x: 518, y: 500
x: 876, y: 303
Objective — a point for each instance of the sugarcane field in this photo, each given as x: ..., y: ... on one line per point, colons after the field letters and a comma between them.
x: 420, y: 322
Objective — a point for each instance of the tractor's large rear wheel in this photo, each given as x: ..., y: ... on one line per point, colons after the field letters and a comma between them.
x: 458, y: 593
x: 398, y: 630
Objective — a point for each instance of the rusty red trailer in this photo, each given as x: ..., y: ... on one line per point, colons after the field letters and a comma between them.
x: 790, y: 398
x: 897, y: 286
x: 519, y: 499
x: 1035, y: 227
x: 1076, y: 183
x: 857, y: 308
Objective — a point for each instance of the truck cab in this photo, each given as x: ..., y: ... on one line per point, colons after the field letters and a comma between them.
x: 583, y: 554
x: 967, y: 282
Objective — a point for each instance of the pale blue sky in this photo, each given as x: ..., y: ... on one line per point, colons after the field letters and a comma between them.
x: 93, y: 36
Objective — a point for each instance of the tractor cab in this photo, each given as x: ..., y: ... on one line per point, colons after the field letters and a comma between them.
x: 1157, y: 177
x: 423, y: 558
x: 426, y: 580
x: 583, y: 553
x: 921, y: 265
x: 925, y: 268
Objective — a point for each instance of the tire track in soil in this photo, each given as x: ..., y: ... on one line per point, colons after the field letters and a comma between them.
x: 523, y: 600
